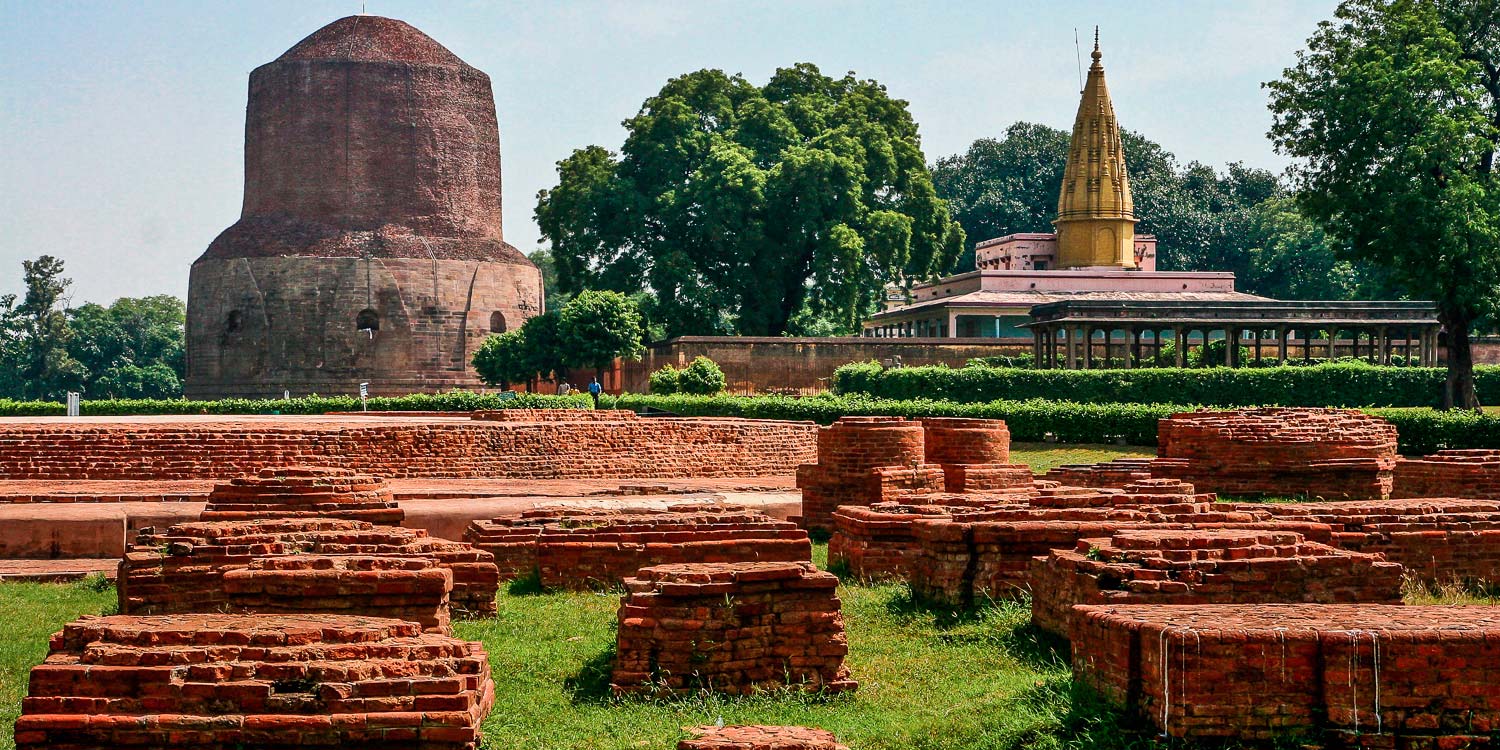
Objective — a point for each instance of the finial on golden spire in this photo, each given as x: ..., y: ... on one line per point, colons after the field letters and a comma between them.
x: 1096, y: 54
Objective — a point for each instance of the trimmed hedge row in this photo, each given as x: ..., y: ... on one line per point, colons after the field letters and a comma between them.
x: 453, y: 401
x: 1422, y: 431
x: 1339, y: 384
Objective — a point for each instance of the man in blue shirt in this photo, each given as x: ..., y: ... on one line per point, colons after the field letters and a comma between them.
x: 594, y: 390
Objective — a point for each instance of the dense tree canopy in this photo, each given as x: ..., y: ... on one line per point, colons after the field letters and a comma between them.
x: 1393, y: 115
x: 753, y: 210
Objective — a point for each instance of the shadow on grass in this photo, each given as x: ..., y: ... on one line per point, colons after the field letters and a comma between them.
x: 1003, y: 624
x: 590, y: 684
x: 526, y: 585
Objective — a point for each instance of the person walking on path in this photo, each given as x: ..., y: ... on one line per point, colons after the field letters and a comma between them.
x: 594, y: 390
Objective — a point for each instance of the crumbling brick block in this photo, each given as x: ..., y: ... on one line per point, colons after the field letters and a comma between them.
x: 181, y: 569
x: 1116, y: 473
x: 401, y: 588
x: 1340, y: 675
x: 1204, y: 566
x: 759, y: 738
x: 974, y: 454
x: 863, y: 461
x: 1284, y: 452
x: 1437, y: 540
x: 1451, y: 473
x: 575, y: 549
x: 304, y: 492
x: 731, y: 628
x: 223, y: 681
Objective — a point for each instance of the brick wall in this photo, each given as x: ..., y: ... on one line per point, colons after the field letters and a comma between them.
x: 1350, y: 674
x: 182, y: 568
x: 759, y: 738
x: 218, y: 681
x: 1325, y: 453
x: 1116, y: 473
x: 732, y: 628
x: 402, y: 588
x: 165, y: 448
x: 1453, y: 473
x: 1438, y: 540
x: 588, y: 549
x: 1202, y: 566
x: 304, y: 492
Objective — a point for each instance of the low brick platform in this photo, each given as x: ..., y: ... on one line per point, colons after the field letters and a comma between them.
x: 216, y: 447
x: 222, y: 682
x: 576, y: 549
x: 1116, y: 473
x: 181, y: 568
x: 1280, y: 452
x: 1453, y: 473
x: 1356, y: 675
x: 304, y: 492
x: 731, y: 628
x: 1438, y: 540
x: 400, y: 588
x: 974, y: 454
x: 863, y: 461
x: 1204, y: 567
x: 759, y: 738
x: 879, y: 542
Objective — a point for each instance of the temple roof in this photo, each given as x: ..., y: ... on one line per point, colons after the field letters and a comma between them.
x: 1095, y: 184
x: 372, y: 39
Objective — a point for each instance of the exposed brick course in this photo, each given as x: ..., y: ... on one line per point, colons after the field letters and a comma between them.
x: 569, y: 548
x: 182, y: 568
x: 1324, y: 453
x: 454, y: 447
x: 304, y: 492
x: 759, y: 738
x: 1116, y: 473
x: 731, y: 628
x: 1452, y: 473
x: 1201, y: 566
x: 1438, y: 540
x: 1357, y: 674
x: 222, y: 682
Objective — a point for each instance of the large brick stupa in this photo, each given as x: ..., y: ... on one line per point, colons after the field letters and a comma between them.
x: 369, y: 248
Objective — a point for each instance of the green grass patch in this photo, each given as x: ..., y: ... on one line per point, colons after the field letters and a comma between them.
x: 1043, y: 457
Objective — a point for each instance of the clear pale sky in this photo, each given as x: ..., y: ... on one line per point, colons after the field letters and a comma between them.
x: 122, y: 124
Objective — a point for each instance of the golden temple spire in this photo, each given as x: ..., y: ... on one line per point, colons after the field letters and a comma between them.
x: 1095, y: 213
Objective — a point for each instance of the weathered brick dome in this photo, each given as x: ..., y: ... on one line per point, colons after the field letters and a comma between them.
x: 369, y: 247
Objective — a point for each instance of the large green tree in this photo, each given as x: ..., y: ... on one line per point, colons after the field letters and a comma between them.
x: 1202, y: 218
x: 753, y: 210
x: 596, y: 327
x: 131, y: 349
x: 1393, y: 116
x: 37, y: 363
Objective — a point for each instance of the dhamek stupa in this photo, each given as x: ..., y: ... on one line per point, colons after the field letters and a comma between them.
x: 369, y: 248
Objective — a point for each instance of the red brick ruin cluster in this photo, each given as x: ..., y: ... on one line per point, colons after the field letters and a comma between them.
x: 304, y: 492
x: 568, y: 548
x: 1359, y: 675
x: 759, y: 738
x: 1453, y: 473
x: 868, y: 460
x: 217, y: 682
x: 1437, y: 540
x: 1198, y: 566
x: 1334, y: 454
x: 188, y: 567
x: 731, y: 628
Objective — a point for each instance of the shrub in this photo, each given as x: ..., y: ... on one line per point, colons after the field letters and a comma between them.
x: 1346, y: 384
x: 1025, y: 361
x: 664, y: 381
x: 702, y: 377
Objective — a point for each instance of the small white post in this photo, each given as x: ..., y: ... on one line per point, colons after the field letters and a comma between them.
x: 364, y: 393
x: 73, y: 403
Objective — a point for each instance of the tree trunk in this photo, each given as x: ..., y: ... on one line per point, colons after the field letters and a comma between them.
x: 1459, y: 391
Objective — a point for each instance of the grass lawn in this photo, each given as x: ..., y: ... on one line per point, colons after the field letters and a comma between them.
x: 32, y: 613
x: 1045, y: 456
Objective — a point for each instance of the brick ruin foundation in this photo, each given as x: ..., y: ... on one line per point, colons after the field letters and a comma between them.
x: 732, y: 628
x: 168, y: 448
x: 1203, y: 566
x: 576, y: 549
x: 1279, y: 452
x: 220, y: 682
x: 414, y: 589
x: 1438, y: 540
x: 1116, y: 473
x: 759, y: 738
x: 184, y: 568
x: 1356, y: 675
x: 869, y: 460
x: 1453, y: 473
x: 304, y: 492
